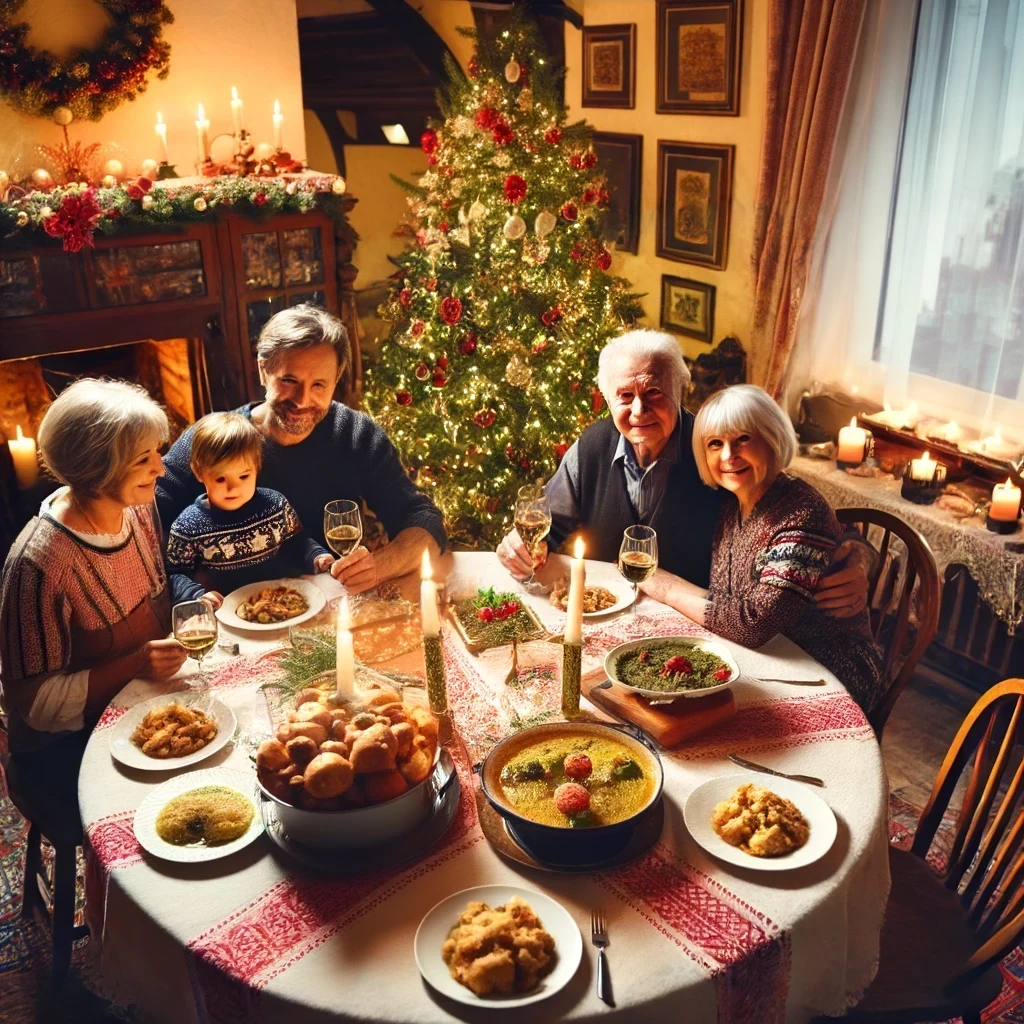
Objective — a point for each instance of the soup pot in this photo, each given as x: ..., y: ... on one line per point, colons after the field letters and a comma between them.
x: 564, y: 845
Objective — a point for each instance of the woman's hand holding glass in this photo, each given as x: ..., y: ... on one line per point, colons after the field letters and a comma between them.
x: 159, y: 659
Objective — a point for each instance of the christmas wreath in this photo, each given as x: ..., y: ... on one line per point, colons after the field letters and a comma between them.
x: 91, y: 82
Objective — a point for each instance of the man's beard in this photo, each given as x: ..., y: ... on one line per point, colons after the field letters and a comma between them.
x: 292, y: 424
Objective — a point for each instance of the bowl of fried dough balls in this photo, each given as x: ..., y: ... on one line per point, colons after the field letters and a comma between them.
x: 350, y: 775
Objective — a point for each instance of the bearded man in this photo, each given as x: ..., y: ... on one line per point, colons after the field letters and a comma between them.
x: 316, y: 450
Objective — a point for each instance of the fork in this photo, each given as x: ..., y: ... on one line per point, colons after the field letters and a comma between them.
x: 599, y: 937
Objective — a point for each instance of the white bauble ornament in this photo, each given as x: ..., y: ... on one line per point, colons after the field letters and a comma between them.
x: 477, y: 210
x: 512, y: 71
x: 338, y: 186
x: 41, y: 178
x: 222, y: 149
x: 199, y: 204
x: 544, y: 223
x: 147, y: 202
x: 114, y: 168
x: 515, y: 227
x: 264, y: 151
x: 63, y: 116
x: 108, y: 181
x: 148, y: 169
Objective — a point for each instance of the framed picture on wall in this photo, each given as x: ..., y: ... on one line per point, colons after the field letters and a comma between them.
x: 694, y: 195
x: 609, y: 66
x: 698, y: 52
x: 688, y: 307
x: 618, y: 157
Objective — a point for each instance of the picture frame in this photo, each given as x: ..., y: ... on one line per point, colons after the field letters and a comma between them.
x: 694, y: 200
x: 619, y: 157
x: 688, y: 308
x: 699, y: 45
x: 609, y: 66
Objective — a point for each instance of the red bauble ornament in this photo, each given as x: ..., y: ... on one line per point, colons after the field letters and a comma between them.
x: 515, y: 188
x: 439, y: 380
x: 502, y: 134
x: 405, y: 297
x: 603, y: 260
x: 553, y: 136
x: 551, y: 316
x: 144, y: 183
x: 432, y: 160
x: 576, y: 161
x: 485, y: 418
x: 486, y: 118
x: 422, y: 371
x: 417, y: 328
x: 589, y: 159
x: 577, y: 253
x: 510, y: 453
x: 569, y: 211
x: 442, y: 363
x: 260, y: 199
x: 596, y: 400
x: 590, y: 195
x: 560, y: 450
x: 451, y: 310
x: 134, y: 192
x: 468, y: 346
x: 525, y: 463
x: 428, y: 141
x: 403, y: 398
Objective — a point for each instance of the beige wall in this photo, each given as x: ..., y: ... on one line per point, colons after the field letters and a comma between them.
x: 251, y: 44
x: 734, y: 283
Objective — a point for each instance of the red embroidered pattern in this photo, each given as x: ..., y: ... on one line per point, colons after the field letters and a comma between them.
x: 111, y: 715
x: 113, y: 841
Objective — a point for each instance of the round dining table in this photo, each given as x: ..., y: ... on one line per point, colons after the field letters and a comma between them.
x: 256, y: 937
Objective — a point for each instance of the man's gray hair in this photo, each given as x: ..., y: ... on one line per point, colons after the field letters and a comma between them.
x: 302, y: 326
x: 94, y: 430
x: 743, y: 409
x: 644, y: 343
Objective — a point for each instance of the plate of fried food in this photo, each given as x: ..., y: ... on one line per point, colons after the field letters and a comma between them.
x: 598, y: 600
x: 273, y: 604
x: 766, y: 827
x: 199, y: 816
x: 499, y: 946
x: 171, y: 731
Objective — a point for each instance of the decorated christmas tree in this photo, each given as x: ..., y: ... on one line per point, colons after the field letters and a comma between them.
x: 504, y: 300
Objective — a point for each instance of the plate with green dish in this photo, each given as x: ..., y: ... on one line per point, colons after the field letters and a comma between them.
x: 671, y: 667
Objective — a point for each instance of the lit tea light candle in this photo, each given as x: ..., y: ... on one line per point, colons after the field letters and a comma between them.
x: 236, y: 109
x: 923, y: 469
x: 947, y: 432
x: 853, y: 441
x: 278, y: 126
x: 23, y: 455
x: 203, y: 135
x: 428, y: 599
x: 997, y: 447
x: 574, y: 607
x: 1005, y: 503
x: 345, y: 673
x: 160, y: 129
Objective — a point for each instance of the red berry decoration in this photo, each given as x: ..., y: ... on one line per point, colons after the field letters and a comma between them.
x: 569, y: 211
x: 515, y: 188
x: 603, y: 260
x: 405, y: 297
x: 485, y: 614
x: 468, y: 346
x: 553, y: 136
x: 572, y: 798
x: 451, y: 310
x: 403, y: 398
x: 428, y: 141
x: 677, y: 666
x: 577, y: 766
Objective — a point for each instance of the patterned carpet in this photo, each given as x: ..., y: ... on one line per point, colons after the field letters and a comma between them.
x: 25, y: 957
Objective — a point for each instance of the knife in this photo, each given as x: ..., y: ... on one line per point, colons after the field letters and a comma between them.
x: 755, y: 767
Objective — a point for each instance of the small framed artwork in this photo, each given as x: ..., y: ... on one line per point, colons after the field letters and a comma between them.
x: 694, y: 194
x: 699, y: 44
x: 618, y: 156
x: 688, y: 307
x: 609, y: 66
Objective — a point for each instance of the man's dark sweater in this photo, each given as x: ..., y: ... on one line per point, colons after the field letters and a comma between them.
x: 346, y: 456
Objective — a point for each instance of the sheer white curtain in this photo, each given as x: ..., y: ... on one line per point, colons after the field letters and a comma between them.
x: 919, y: 282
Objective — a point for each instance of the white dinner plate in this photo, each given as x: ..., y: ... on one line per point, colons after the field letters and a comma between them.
x: 122, y: 749
x: 439, y: 921
x: 711, y: 646
x: 310, y: 591
x: 701, y: 803
x: 621, y: 589
x: 149, y: 810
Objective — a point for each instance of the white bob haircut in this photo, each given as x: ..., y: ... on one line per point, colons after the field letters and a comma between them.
x: 94, y: 431
x: 643, y: 344
x: 743, y: 409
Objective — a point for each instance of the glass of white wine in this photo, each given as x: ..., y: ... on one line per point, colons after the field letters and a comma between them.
x: 195, y: 628
x: 638, y: 556
x: 533, y: 522
x: 343, y: 526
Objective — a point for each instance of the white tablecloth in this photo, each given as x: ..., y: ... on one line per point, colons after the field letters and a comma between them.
x: 245, y: 938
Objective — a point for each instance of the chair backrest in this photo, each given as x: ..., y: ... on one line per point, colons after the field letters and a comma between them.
x: 892, y: 597
x: 985, y: 864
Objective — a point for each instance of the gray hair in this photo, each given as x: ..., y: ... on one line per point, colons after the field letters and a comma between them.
x: 644, y: 343
x: 93, y: 431
x: 743, y: 408
x: 302, y: 326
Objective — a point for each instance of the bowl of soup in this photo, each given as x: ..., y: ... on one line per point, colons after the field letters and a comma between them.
x: 573, y: 792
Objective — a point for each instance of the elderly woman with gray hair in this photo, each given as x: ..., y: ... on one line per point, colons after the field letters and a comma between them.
x: 85, y: 600
x: 775, y: 539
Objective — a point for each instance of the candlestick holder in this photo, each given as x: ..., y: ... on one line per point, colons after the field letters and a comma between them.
x: 437, y: 688
x: 924, y: 492
x: 869, y: 451
x: 1003, y: 525
x: 572, y: 664
x: 165, y: 171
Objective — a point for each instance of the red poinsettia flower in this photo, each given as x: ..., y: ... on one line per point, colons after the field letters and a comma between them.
x: 75, y: 220
x: 405, y: 297
x: 515, y: 188
x: 487, y: 118
x: 468, y: 346
x: 553, y: 136
x: 603, y: 259
x: 451, y: 310
x: 428, y: 141
x: 569, y: 211
x: 502, y: 134
x: 403, y: 398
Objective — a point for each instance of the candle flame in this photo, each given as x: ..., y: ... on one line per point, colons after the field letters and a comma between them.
x: 579, y: 549
x: 234, y: 93
x: 925, y: 457
x: 277, y: 107
x: 853, y: 421
x: 427, y: 570
x: 1007, y: 484
x: 21, y: 436
x: 344, y: 616
x: 202, y: 113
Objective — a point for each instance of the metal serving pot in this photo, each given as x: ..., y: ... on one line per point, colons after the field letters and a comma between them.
x: 556, y: 844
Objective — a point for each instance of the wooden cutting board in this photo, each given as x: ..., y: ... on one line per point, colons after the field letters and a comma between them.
x: 669, y: 724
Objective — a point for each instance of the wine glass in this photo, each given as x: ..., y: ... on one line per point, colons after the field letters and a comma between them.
x: 638, y: 556
x: 343, y: 526
x: 195, y: 628
x: 533, y: 521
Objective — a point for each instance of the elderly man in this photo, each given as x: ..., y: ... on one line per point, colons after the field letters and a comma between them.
x: 316, y: 450
x: 637, y: 466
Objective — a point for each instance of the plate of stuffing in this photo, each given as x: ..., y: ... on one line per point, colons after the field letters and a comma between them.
x: 670, y: 667
x: 598, y: 600
x: 766, y: 826
x: 200, y: 816
x: 498, y: 945
x: 171, y: 731
x: 273, y: 604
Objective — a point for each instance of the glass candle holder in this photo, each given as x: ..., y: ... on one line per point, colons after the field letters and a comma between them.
x: 923, y: 489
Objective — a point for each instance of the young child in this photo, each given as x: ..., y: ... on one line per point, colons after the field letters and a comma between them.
x: 237, y: 533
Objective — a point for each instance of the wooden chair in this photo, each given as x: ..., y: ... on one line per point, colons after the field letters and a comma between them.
x: 947, y: 927
x: 891, y: 596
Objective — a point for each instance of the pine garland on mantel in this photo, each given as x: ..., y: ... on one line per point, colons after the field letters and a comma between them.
x: 74, y: 213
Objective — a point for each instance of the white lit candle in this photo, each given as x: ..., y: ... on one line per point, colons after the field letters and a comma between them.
x: 428, y: 599
x: 161, y: 133
x: 574, y: 607
x: 23, y: 455
x: 203, y: 135
x: 996, y: 447
x: 345, y: 673
x: 236, y: 109
x: 948, y: 432
x: 923, y: 469
x: 852, y: 442
x: 1005, y: 502
x: 278, y: 126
